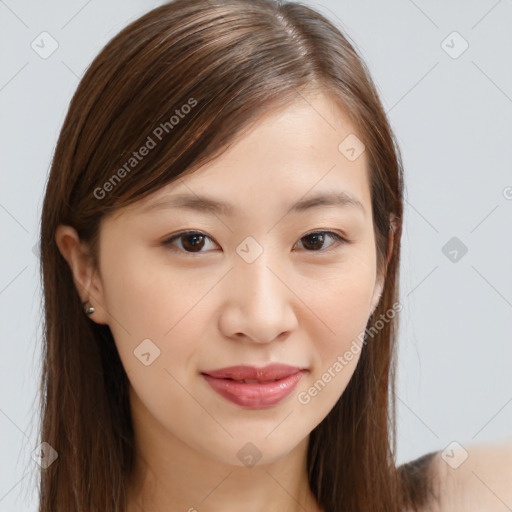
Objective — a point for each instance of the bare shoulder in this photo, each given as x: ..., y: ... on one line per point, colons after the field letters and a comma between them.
x: 474, y: 477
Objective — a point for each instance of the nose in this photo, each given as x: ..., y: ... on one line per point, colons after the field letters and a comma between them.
x: 258, y: 303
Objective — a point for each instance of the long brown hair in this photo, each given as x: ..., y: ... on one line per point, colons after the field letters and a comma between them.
x: 229, y: 61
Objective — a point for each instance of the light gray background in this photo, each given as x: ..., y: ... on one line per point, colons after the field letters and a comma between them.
x: 453, y: 120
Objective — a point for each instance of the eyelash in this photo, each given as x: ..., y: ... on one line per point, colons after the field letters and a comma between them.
x: 168, y: 242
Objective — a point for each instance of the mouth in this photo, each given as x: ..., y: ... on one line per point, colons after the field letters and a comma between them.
x: 254, y: 393
x: 247, y: 381
x: 251, y: 374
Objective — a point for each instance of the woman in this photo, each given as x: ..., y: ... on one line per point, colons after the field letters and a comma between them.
x: 220, y: 247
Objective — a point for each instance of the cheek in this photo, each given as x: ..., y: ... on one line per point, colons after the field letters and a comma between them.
x: 156, y: 330
x: 341, y: 307
x: 340, y: 298
x: 158, y: 310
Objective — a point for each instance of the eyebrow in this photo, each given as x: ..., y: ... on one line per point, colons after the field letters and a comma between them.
x: 194, y: 202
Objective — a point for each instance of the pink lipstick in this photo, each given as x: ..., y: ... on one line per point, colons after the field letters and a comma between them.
x: 254, y: 388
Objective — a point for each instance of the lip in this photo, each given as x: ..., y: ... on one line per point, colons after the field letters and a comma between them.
x: 254, y: 395
x: 270, y: 372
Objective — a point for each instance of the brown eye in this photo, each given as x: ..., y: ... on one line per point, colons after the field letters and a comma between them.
x: 314, y: 241
x: 191, y: 241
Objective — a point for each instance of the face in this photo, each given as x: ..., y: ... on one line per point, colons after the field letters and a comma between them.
x: 253, y: 283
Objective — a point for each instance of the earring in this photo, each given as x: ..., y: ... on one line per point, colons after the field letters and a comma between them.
x: 90, y: 310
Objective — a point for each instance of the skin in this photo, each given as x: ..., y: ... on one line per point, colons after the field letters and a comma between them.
x: 294, y: 304
x: 483, y: 482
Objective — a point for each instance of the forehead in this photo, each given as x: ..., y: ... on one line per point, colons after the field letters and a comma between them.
x: 296, y: 152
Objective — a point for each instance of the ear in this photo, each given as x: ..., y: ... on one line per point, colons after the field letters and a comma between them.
x: 85, y: 276
x: 379, y: 284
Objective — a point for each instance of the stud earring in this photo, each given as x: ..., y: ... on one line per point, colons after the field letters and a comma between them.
x: 89, y: 310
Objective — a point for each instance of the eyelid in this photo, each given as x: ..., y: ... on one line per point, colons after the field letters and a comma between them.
x: 168, y: 241
x: 340, y: 239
